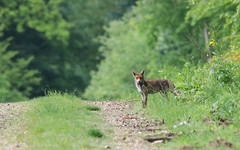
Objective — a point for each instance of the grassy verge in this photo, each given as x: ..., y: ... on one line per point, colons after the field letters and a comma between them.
x: 192, y: 124
x: 63, y: 122
x: 206, y: 114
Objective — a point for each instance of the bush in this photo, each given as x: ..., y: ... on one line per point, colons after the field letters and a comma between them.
x: 215, y: 83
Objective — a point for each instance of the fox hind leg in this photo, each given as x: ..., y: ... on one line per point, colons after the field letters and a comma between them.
x: 163, y: 94
x: 142, y: 99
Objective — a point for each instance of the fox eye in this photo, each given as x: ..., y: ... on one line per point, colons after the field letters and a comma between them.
x: 139, y: 78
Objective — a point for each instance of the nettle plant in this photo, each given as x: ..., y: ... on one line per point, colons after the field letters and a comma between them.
x: 191, y: 80
x: 205, y: 82
x: 226, y: 78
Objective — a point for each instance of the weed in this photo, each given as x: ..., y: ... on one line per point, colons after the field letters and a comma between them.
x: 95, y: 133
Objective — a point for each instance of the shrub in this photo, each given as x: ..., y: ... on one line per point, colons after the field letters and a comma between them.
x: 215, y: 83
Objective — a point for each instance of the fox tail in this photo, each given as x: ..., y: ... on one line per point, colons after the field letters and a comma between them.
x: 172, y: 89
x: 177, y: 93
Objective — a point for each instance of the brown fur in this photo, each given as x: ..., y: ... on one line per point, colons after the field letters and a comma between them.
x: 146, y: 87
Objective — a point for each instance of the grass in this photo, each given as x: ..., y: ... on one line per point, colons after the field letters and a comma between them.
x: 198, y: 134
x: 95, y: 133
x: 92, y: 108
x: 63, y: 122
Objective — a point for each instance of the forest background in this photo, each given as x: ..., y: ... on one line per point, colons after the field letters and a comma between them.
x: 91, y: 47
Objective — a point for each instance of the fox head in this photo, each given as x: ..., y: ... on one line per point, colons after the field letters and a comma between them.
x: 139, y: 77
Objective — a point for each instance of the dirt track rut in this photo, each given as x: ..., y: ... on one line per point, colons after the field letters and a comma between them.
x: 9, y: 125
x: 131, y: 128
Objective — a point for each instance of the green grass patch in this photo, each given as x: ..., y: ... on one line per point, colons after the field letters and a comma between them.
x: 62, y: 121
x: 92, y: 108
x: 95, y: 133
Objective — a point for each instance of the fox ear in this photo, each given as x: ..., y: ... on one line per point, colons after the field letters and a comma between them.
x: 142, y: 72
x: 134, y: 73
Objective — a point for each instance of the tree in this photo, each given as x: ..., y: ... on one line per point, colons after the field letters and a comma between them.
x: 221, y: 17
x: 16, y: 81
x: 88, y: 18
x: 59, y: 34
x: 35, y: 26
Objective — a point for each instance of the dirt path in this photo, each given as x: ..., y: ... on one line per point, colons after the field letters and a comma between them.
x: 9, y: 125
x: 131, y: 129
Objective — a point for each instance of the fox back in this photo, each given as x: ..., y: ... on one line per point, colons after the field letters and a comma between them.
x: 152, y: 86
x: 161, y: 85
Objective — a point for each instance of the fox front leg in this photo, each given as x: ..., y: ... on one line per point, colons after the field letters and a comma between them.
x: 144, y: 99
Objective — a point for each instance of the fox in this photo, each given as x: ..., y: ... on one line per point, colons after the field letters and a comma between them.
x: 146, y: 87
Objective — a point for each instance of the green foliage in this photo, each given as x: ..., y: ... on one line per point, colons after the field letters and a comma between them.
x: 82, y: 55
x: 60, y: 35
x: 16, y: 81
x: 35, y: 26
x: 222, y: 16
x: 42, y: 16
x: 216, y: 84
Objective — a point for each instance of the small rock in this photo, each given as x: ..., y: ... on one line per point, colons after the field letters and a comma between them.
x: 180, y: 133
x: 159, y: 141
x: 127, y: 117
x: 107, y: 147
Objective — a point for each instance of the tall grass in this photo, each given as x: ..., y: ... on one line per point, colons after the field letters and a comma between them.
x: 196, y: 132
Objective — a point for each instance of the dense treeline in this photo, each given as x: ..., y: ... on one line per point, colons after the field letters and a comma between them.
x: 159, y: 36
x: 57, y: 44
x: 54, y: 40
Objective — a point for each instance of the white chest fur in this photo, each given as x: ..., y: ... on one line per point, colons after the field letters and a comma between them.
x: 139, y: 87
